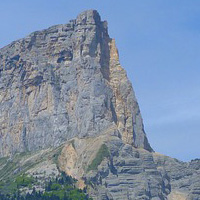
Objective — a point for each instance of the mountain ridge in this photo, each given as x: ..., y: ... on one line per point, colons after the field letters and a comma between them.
x: 63, y: 87
x: 29, y: 54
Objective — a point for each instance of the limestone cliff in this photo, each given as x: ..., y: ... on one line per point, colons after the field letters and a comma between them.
x: 63, y: 82
x: 66, y: 104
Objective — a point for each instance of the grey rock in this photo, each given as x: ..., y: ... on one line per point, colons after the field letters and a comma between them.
x: 131, y: 174
x: 184, y: 177
x: 65, y: 85
x: 57, y: 84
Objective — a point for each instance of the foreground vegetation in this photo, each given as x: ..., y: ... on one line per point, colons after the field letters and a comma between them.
x: 61, y: 188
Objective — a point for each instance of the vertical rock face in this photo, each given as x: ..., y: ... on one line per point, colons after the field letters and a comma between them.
x: 63, y: 82
x: 65, y: 85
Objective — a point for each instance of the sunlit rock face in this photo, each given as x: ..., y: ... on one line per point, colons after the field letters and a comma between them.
x: 64, y: 86
x: 63, y: 82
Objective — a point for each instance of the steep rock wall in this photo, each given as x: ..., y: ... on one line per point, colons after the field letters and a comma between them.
x: 63, y: 82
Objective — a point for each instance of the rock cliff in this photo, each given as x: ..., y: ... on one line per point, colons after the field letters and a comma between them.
x: 63, y: 82
x: 64, y: 88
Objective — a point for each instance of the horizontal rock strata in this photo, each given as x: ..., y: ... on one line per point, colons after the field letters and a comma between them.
x: 64, y: 87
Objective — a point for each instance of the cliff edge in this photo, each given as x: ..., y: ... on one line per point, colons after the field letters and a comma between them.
x: 67, y: 105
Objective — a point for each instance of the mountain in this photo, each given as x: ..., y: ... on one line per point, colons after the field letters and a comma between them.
x: 67, y: 105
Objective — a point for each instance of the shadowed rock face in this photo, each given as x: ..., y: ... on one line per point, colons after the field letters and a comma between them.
x: 63, y: 82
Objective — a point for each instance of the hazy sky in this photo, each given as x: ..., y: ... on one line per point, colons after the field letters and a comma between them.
x: 159, y: 46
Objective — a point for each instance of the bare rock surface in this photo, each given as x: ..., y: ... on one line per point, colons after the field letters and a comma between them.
x: 64, y: 82
x: 64, y: 94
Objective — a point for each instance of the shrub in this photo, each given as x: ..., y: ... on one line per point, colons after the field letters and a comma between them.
x: 56, y: 186
x: 24, y: 181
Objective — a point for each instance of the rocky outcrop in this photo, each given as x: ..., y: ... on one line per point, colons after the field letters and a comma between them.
x: 65, y: 82
x: 64, y: 87
x: 128, y: 172
x: 184, y: 177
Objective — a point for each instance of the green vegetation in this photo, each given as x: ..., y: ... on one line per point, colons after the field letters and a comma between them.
x: 24, y: 181
x: 14, y: 183
x: 12, y: 174
x: 12, y: 186
x: 3, y: 160
x: 61, y: 188
x: 10, y: 168
x: 55, y: 186
x: 101, y: 154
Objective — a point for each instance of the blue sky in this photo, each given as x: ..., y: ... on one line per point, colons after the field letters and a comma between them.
x: 159, y: 46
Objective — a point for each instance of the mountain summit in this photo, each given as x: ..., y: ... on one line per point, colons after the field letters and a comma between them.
x: 64, y: 96
x: 66, y: 82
